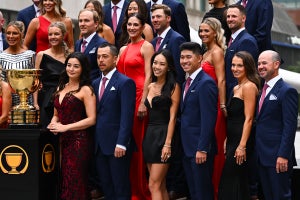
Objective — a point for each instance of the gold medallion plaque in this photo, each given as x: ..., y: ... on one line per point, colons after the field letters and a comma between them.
x: 48, y: 158
x: 13, y: 160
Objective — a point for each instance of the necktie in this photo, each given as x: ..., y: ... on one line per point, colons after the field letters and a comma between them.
x: 244, y: 3
x: 187, y: 85
x: 114, y: 18
x: 262, y: 97
x: 83, y: 46
x: 158, y: 41
x: 229, y: 43
x: 104, y: 79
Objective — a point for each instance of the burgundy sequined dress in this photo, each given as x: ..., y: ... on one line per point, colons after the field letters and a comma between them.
x: 74, y: 149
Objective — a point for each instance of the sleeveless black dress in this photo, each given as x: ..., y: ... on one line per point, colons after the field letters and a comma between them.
x: 156, y: 133
x: 234, y: 180
x: 51, y: 70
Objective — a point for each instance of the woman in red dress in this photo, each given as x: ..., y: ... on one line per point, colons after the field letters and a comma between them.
x: 74, y: 113
x: 51, y: 11
x: 134, y: 62
x: 212, y: 35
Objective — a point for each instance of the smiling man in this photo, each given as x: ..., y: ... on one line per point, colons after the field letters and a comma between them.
x: 240, y: 40
x: 198, y: 118
x: 88, y: 24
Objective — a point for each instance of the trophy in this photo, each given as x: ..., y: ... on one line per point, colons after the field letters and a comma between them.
x: 24, y: 82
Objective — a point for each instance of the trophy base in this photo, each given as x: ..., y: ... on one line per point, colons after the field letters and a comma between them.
x: 24, y: 119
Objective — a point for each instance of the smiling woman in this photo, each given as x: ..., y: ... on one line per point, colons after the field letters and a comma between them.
x: 15, y: 56
x: 51, y: 61
x: 51, y: 11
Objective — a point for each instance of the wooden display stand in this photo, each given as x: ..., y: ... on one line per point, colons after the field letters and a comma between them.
x: 29, y: 164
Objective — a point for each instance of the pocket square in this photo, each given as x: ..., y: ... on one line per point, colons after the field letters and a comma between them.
x: 193, y: 90
x: 272, y: 97
x: 164, y: 46
x: 93, y: 50
x: 112, y: 88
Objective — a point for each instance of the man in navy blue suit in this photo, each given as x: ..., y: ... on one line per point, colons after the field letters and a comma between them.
x: 276, y: 125
x: 240, y: 40
x: 26, y: 15
x: 259, y: 21
x: 170, y: 39
x: 88, y: 44
x: 3, y: 43
x: 179, y: 18
x: 108, y: 10
x: 198, y: 118
x: 113, y: 137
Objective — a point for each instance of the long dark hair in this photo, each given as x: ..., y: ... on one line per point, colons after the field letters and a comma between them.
x: 169, y: 86
x: 141, y: 15
x: 84, y: 78
x: 250, y: 67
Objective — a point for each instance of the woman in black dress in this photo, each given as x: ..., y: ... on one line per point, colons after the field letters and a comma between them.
x: 162, y: 103
x: 241, y: 111
x: 51, y: 61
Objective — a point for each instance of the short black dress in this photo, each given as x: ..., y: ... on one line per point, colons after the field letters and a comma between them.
x: 156, y: 133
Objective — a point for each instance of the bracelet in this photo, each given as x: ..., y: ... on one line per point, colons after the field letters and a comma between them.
x: 168, y: 146
x: 242, y: 149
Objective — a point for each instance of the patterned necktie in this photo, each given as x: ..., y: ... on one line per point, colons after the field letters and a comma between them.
x: 187, y: 86
x: 158, y: 42
x: 104, y: 79
x: 83, y: 46
x: 262, y: 97
x: 114, y: 18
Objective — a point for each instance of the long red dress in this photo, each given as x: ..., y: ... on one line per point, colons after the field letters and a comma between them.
x: 220, y: 133
x: 132, y: 64
x: 75, y: 147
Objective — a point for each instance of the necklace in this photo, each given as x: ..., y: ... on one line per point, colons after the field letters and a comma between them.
x: 241, y: 84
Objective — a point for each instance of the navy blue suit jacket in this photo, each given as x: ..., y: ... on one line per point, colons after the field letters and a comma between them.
x: 198, y: 116
x: 243, y: 42
x: 26, y: 15
x: 276, y: 125
x: 91, y: 53
x: 115, y: 113
x: 108, y: 20
x: 5, y: 45
x: 179, y: 20
x: 259, y: 21
x: 172, y: 41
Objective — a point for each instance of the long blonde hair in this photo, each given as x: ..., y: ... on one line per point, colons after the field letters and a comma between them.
x: 216, y: 26
x: 63, y: 29
x: 59, y: 11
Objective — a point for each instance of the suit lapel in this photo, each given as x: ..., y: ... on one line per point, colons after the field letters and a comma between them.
x: 91, y: 44
x: 191, y: 88
x: 109, y: 87
x: 274, y: 91
x: 165, y: 40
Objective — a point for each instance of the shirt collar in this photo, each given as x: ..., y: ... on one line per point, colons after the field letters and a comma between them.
x: 88, y: 39
x: 235, y: 34
x: 120, y: 4
x: 164, y: 33
x: 158, y: 2
x: 195, y: 73
x: 109, y: 74
x: 273, y: 81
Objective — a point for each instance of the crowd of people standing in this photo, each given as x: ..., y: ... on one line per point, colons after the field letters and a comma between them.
x: 142, y: 112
